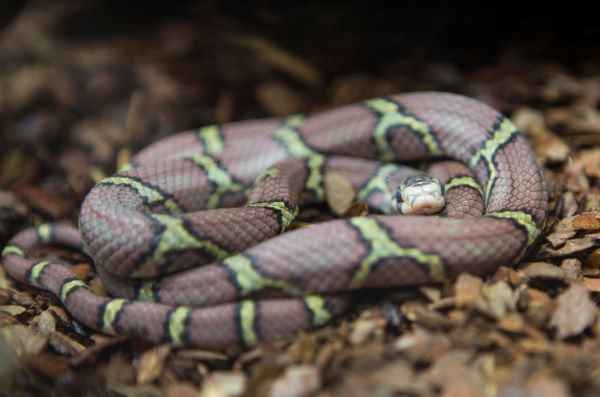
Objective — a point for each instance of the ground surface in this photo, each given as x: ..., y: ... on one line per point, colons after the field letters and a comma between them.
x: 84, y: 84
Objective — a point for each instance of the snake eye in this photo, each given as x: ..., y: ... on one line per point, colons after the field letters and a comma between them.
x: 398, y: 195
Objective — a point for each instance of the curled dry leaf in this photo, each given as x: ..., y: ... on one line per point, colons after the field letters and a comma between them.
x: 575, y: 312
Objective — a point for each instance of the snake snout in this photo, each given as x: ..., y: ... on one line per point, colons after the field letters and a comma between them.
x: 419, y: 195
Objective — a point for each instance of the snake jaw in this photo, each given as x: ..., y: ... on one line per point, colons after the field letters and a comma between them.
x: 419, y: 195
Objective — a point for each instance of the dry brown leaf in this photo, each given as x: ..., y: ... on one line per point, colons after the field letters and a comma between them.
x: 24, y: 341
x: 296, y: 381
x: 51, y: 366
x: 150, y: 364
x: 13, y: 310
x: 44, y: 323
x: 339, y: 192
x: 65, y: 344
x: 575, y: 311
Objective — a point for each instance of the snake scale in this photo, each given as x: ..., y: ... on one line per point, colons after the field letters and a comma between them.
x: 192, y: 265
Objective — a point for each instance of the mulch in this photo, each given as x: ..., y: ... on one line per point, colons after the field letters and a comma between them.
x: 83, y: 85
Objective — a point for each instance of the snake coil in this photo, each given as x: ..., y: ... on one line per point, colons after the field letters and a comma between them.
x: 192, y: 265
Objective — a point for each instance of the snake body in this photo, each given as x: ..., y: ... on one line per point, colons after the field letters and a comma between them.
x: 193, y: 266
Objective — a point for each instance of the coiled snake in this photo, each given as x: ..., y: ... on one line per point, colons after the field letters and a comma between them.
x: 193, y: 266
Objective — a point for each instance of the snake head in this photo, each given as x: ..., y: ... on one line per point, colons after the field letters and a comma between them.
x: 419, y: 195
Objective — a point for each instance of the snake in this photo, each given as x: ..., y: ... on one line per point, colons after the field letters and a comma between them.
x: 192, y: 237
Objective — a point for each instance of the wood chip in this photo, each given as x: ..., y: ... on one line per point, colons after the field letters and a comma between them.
x: 468, y: 289
x: 150, y: 364
x: 232, y: 384
x: 575, y: 312
x: 339, y: 192
x: 544, y: 271
x: 297, y: 381
x: 571, y: 247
